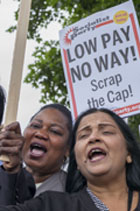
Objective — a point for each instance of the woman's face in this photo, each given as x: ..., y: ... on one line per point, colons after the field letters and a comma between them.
x: 100, y: 147
x: 46, y: 141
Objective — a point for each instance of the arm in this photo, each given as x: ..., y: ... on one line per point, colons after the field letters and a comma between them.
x: 16, y: 184
x: 16, y: 188
x: 36, y: 204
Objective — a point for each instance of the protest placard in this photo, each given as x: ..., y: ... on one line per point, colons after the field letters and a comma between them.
x: 101, y: 60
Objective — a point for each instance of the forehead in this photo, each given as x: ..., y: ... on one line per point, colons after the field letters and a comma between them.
x: 51, y: 115
x: 96, y: 119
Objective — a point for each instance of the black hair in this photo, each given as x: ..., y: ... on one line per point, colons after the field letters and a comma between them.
x: 76, y: 181
x: 2, y: 103
x: 64, y: 110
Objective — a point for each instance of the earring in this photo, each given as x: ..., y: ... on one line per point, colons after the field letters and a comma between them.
x: 129, y: 159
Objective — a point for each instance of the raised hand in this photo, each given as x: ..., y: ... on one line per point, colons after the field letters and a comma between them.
x: 11, y: 143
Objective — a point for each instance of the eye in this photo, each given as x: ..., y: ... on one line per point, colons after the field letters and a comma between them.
x: 107, y: 132
x: 82, y: 136
x: 56, y: 132
x: 35, y: 125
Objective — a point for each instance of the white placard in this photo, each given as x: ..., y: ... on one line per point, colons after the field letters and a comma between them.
x: 101, y: 60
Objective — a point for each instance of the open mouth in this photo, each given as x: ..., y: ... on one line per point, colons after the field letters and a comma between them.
x: 96, y: 154
x: 37, y: 149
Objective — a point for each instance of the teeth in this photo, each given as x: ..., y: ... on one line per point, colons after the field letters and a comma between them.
x: 37, y: 147
x: 96, y: 150
x: 93, y: 153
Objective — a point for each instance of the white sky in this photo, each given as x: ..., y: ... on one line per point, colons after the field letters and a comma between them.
x: 29, y: 97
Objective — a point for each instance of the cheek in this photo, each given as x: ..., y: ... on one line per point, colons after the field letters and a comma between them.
x: 27, y: 133
x: 28, y: 136
x: 25, y: 148
x: 119, y: 150
x: 59, y: 143
x: 116, y: 143
x: 78, y: 150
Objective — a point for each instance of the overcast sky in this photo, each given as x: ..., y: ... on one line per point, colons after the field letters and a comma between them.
x: 29, y: 97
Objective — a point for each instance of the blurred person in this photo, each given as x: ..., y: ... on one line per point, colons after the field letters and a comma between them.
x: 2, y: 103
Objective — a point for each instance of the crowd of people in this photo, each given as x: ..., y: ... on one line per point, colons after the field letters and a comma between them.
x: 103, y: 172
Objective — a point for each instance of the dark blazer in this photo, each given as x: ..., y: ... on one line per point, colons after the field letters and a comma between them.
x: 16, y: 188
x: 57, y: 201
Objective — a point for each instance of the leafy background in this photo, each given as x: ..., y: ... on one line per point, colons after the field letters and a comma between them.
x: 46, y: 73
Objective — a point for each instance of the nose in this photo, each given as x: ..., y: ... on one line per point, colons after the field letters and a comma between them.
x: 42, y: 134
x: 94, y: 137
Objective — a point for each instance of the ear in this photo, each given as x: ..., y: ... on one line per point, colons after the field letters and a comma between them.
x: 129, y: 158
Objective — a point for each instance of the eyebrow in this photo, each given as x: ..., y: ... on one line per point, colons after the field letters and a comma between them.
x: 106, y: 125
x: 38, y: 120
x: 100, y: 125
x: 52, y: 124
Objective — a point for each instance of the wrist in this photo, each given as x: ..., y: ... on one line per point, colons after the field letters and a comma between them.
x: 11, y: 169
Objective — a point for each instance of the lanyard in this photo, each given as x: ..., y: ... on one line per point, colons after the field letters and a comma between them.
x: 130, y: 196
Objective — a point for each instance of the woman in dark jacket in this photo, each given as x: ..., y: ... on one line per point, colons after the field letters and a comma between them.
x: 104, y: 172
x: 43, y: 148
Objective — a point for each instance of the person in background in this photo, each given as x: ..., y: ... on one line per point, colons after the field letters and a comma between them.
x: 104, y: 170
x: 43, y: 147
x: 2, y: 107
x: 2, y: 103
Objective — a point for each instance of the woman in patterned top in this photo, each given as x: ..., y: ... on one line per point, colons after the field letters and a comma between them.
x: 107, y: 158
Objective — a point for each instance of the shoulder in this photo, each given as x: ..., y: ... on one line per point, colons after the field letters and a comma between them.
x: 65, y: 201
x: 7, y: 178
x: 138, y: 204
x: 52, y: 201
x: 54, y: 183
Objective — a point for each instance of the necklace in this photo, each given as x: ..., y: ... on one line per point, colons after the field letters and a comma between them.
x: 101, y: 206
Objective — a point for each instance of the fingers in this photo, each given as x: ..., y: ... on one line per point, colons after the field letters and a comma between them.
x: 11, y: 147
x: 9, y: 135
x: 14, y: 126
x: 9, y: 151
x: 11, y: 143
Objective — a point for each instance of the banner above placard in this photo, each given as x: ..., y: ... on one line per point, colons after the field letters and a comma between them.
x: 101, y: 60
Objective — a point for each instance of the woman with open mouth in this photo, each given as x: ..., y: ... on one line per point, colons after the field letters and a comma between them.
x: 104, y: 170
x: 43, y: 147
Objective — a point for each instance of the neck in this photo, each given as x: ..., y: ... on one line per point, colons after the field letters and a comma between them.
x: 108, y: 190
x: 39, y: 177
x: 111, y: 191
x: 115, y: 197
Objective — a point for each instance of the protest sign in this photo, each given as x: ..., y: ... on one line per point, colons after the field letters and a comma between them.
x: 101, y: 60
x: 17, y: 67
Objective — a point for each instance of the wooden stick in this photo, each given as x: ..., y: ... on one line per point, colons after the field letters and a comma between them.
x: 17, y: 65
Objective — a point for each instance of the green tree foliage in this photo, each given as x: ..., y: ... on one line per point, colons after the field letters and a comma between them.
x: 46, y: 72
x: 134, y: 123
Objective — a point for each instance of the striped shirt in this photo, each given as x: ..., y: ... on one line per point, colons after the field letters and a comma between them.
x: 98, y: 203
